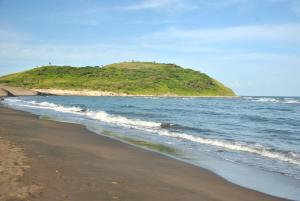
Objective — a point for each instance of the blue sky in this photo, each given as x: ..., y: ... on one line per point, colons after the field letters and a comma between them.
x: 253, y: 46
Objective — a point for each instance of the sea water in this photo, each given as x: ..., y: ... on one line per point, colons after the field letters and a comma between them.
x: 251, y: 141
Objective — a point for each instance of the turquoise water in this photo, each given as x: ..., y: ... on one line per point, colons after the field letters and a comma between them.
x: 247, y: 135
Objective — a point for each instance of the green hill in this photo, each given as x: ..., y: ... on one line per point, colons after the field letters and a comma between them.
x: 136, y: 78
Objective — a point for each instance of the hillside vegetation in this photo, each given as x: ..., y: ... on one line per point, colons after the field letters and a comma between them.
x: 135, y: 78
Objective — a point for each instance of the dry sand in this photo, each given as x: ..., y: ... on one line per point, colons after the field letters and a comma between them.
x: 45, y: 160
x: 62, y: 92
x: 85, y: 92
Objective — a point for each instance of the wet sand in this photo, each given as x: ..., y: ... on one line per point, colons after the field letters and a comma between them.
x: 63, y: 161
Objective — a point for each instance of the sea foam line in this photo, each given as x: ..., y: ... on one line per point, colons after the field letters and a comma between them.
x: 289, y: 157
x: 273, y: 100
x: 154, y: 127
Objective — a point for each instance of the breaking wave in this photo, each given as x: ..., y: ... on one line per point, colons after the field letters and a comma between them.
x: 274, y: 100
x: 163, y: 129
x: 97, y: 115
x: 289, y: 157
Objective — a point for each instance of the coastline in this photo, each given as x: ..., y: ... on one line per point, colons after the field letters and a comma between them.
x: 61, y: 92
x: 83, y: 165
x: 19, y: 91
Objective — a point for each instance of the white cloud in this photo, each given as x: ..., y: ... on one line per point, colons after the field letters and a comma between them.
x: 240, y: 6
x: 227, y: 44
x: 287, y: 33
x: 166, y: 6
x: 155, y: 4
x: 220, y: 4
x: 189, y: 5
x: 238, y: 42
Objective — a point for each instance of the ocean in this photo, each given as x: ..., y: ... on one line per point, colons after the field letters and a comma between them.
x: 251, y: 141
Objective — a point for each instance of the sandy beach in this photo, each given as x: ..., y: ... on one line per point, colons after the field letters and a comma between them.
x: 48, y: 160
x: 61, y: 92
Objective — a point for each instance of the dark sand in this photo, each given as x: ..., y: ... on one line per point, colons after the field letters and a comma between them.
x: 61, y: 161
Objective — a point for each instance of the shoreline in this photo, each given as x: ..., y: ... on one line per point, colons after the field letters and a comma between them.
x: 61, y: 92
x: 10, y: 91
x: 80, y: 161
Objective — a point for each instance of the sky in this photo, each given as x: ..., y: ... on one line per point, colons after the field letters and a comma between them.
x: 252, y: 46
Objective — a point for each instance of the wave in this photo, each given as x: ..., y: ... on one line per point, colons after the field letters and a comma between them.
x: 97, y: 115
x: 121, y: 121
x: 163, y: 129
x: 45, y: 105
x: 291, y: 101
x: 273, y: 100
x: 289, y: 157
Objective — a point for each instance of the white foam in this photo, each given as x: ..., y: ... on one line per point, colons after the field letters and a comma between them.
x: 292, y: 101
x: 97, y: 115
x: 154, y: 127
x: 290, y: 157
x: 44, y: 105
x: 274, y: 100
x: 267, y: 100
x: 122, y: 121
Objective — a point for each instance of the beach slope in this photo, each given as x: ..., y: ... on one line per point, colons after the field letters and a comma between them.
x: 63, y: 161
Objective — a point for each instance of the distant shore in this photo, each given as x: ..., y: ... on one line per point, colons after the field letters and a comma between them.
x: 62, y: 92
x: 19, y: 91
x: 121, y: 79
x: 63, y: 161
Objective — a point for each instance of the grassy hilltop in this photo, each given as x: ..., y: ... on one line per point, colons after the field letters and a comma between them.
x: 136, y: 78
